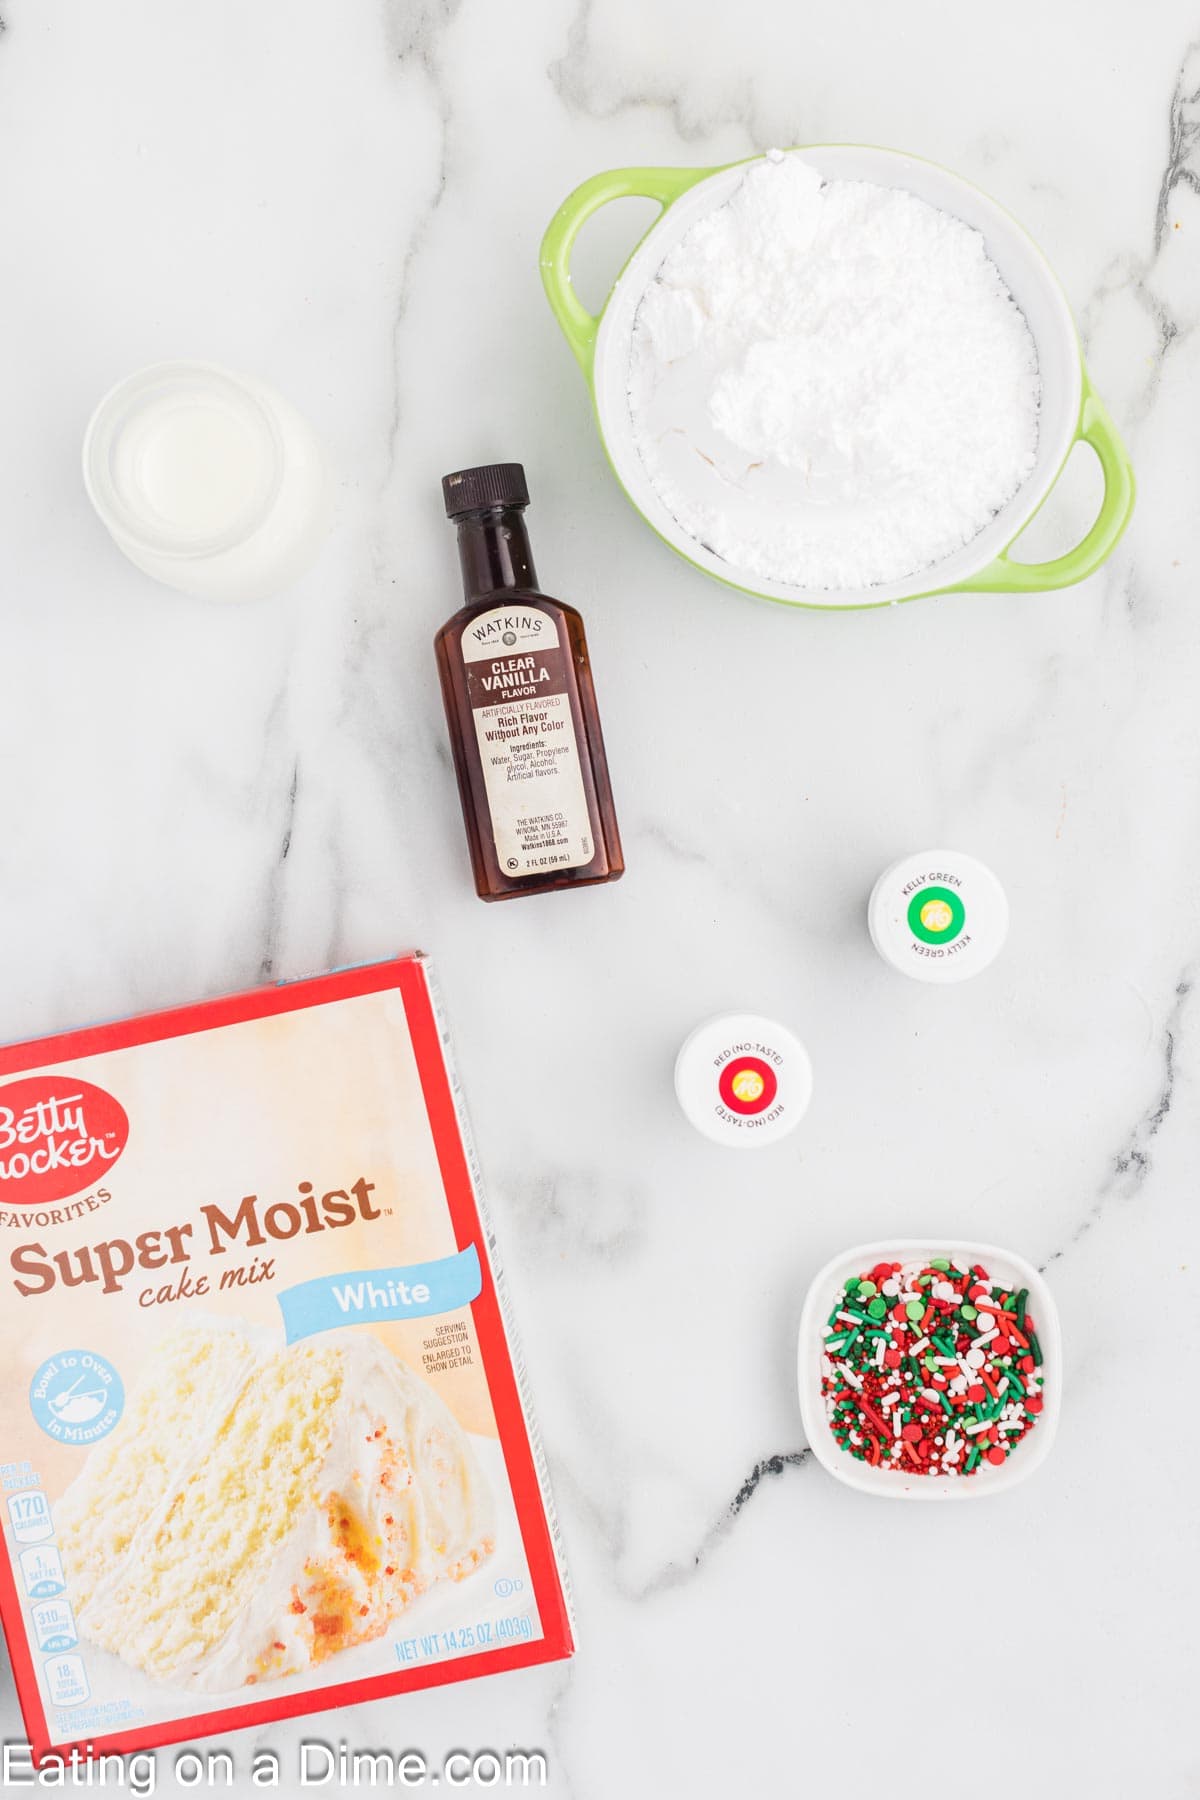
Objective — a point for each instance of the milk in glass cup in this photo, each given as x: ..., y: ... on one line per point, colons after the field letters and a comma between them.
x: 209, y: 481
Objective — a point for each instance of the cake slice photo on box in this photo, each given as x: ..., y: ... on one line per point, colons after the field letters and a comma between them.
x: 266, y: 1446
x: 262, y: 1507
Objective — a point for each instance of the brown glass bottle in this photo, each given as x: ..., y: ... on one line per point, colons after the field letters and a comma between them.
x: 521, y: 708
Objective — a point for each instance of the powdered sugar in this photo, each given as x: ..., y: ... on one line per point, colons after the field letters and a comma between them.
x: 830, y: 385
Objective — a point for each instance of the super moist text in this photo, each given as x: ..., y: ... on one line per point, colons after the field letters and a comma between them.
x: 246, y: 1226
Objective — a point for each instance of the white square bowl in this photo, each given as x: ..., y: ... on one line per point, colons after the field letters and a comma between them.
x: 890, y: 1484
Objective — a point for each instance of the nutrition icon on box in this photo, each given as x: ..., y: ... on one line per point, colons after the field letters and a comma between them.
x: 29, y: 1516
x: 54, y: 1625
x: 42, y: 1571
x: 66, y: 1679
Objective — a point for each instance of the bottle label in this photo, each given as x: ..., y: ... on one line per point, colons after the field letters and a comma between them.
x: 519, y: 680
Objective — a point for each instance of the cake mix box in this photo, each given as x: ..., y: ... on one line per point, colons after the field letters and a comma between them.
x: 263, y: 1442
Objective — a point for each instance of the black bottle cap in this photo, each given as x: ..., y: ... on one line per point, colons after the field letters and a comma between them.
x: 494, y: 484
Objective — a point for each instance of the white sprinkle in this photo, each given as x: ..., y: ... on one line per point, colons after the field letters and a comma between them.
x: 891, y: 1287
x: 985, y: 1337
x: 880, y: 1348
x: 980, y: 1425
x: 932, y: 1395
x: 897, y: 1424
x: 921, y: 1344
x: 851, y: 1377
x: 849, y: 1318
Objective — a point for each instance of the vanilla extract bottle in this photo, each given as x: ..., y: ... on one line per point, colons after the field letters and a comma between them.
x: 521, y: 707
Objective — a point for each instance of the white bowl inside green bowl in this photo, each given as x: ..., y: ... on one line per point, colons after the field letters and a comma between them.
x: 1069, y: 409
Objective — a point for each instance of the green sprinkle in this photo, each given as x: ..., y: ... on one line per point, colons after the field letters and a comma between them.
x: 1035, y: 1349
x: 968, y: 1311
x: 974, y: 1457
x: 852, y: 1284
x: 914, y: 1310
x: 938, y: 1262
x: 1022, y: 1303
x: 878, y: 1308
x: 931, y: 1363
x: 866, y: 1289
x: 946, y: 1406
x: 945, y: 1345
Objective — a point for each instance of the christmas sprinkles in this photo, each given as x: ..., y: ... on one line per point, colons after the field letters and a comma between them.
x: 930, y: 1368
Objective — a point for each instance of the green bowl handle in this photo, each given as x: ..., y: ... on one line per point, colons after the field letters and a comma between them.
x: 1006, y: 576
x: 579, y: 326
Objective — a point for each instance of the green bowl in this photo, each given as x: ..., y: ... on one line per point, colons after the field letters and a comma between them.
x: 1071, y: 410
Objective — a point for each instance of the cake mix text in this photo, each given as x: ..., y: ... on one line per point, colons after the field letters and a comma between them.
x: 249, y: 1225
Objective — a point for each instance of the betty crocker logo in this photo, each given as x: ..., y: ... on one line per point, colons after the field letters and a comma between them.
x: 57, y: 1135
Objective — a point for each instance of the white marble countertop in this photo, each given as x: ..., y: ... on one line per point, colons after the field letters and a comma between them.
x: 348, y: 201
